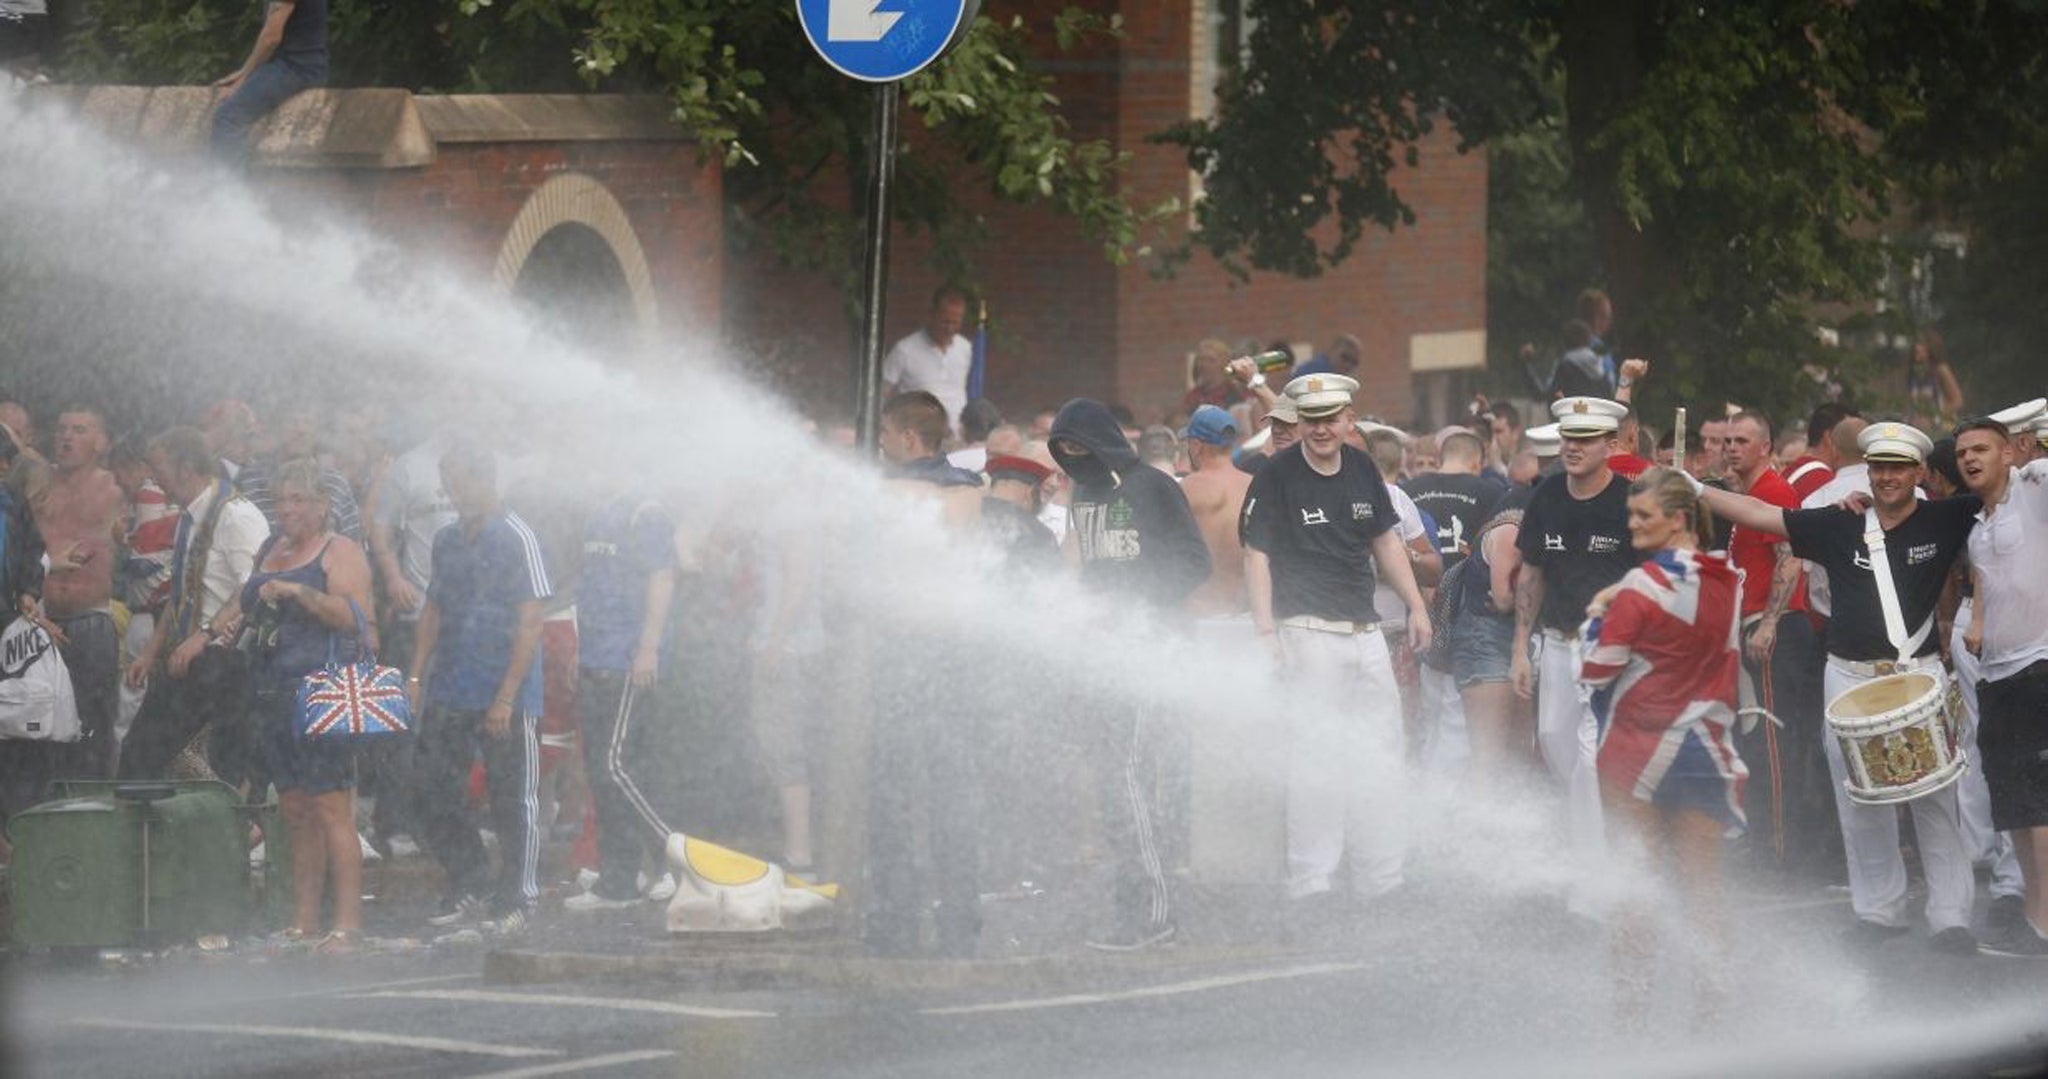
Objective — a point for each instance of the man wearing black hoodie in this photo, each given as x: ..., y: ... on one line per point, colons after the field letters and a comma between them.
x: 1132, y: 536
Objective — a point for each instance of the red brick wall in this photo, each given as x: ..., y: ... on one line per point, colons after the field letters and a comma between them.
x: 462, y: 205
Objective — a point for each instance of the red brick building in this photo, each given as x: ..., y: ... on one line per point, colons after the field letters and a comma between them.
x: 1066, y: 322
x: 596, y: 209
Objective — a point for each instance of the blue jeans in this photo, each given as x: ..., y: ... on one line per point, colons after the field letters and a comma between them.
x: 265, y: 89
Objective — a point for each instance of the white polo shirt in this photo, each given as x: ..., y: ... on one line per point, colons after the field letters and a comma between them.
x: 2009, y: 547
x: 915, y: 363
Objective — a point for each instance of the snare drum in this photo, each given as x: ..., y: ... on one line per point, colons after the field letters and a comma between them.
x: 1898, y: 737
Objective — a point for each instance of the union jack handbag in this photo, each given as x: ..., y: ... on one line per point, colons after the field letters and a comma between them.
x: 352, y: 702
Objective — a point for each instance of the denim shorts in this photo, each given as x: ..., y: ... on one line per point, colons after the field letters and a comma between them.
x: 1482, y: 647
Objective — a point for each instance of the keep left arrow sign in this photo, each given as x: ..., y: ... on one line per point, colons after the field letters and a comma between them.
x: 857, y: 20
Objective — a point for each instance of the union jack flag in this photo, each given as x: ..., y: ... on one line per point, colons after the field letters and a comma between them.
x: 357, y: 700
x: 1662, y: 665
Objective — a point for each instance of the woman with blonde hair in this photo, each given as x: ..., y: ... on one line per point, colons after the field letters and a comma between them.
x: 307, y: 597
x: 1661, y: 658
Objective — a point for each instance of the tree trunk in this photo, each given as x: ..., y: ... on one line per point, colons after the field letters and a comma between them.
x: 1608, y: 46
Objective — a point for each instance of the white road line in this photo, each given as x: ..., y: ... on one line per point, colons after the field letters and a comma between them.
x: 1795, y: 904
x: 1198, y: 985
x: 583, y: 1064
x: 371, y: 986
x: 622, y: 1004
x: 352, y: 1037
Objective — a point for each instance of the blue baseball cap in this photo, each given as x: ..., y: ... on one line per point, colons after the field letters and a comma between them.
x: 1212, y: 425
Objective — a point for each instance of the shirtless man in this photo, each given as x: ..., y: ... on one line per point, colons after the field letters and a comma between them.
x: 1215, y: 491
x: 78, y: 519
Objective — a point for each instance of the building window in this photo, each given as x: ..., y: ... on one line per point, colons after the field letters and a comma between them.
x: 1221, y: 32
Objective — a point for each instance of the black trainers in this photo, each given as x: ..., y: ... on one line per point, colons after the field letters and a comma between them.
x: 1134, y: 939
x: 1866, y: 933
x: 2007, y: 914
x: 2021, y: 943
x: 1955, y: 940
x: 460, y: 911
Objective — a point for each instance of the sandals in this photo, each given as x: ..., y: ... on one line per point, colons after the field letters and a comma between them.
x: 340, y: 942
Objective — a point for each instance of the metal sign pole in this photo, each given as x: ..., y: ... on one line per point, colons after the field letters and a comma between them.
x: 875, y: 269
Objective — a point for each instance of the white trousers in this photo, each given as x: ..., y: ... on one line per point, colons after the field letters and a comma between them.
x: 1985, y: 843
x: 1569, y: 740
x: 1344, y: 763
x: 140, y: 625
x: 1443, y: 716
x: 1870, y: 838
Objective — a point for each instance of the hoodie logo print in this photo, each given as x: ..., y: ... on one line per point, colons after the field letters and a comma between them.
x: 1314, y: 517
x: 1105, y: 532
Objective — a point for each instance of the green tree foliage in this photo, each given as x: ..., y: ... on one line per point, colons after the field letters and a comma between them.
x: 740, y: 76
x: 1539, y: 249
x: 1737, y: 160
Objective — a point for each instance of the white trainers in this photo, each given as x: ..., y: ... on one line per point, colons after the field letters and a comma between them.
x: 402, y: 846
x: 585, y: 902
x: 586, y: 879
x: 662, y: 890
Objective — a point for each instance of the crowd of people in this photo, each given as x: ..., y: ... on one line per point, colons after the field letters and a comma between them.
x: 1650, y: 632
x: 1657, y: 627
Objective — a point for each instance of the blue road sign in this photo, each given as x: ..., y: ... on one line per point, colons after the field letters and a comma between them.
x: 883, y: 40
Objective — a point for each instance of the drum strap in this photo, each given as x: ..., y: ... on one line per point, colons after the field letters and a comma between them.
x: 1888, y: 592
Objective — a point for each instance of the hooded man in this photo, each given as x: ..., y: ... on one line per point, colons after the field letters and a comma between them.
x: 1131, y: 535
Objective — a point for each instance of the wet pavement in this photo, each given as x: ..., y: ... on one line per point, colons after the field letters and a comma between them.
x: 1442, y: 981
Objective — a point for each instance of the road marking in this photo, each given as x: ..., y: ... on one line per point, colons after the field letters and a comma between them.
x: 369, y: 987
x: 581, y: 1065
x: 1198, y: 985
x: 1798, y: 904
x: 623, y: 1004
x: 353, y: 1037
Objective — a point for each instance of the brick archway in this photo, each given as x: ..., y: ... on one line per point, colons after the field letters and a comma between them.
x: 573, y: 198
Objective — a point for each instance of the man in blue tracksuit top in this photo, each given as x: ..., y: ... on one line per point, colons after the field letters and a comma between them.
x: 622, y: 644
x: 478, y: 658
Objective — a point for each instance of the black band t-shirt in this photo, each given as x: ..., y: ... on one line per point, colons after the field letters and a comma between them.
x: 1580, y: 547
x: 1318, y: 532
x: 1921, y: 549
x: 1460, y: 503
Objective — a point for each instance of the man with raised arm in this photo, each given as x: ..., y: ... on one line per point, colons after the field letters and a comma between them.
x: 2009, y: 633
x: 1920, y: 542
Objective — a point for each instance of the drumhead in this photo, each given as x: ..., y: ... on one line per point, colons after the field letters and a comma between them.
x: 1882, y: 696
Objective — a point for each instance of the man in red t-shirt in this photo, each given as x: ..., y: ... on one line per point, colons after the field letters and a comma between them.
x: 1812, y: 472
x: 1626, y: 462
x: 1790, y: 804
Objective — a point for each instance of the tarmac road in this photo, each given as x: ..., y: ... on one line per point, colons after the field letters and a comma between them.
x: 1440, y: 984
